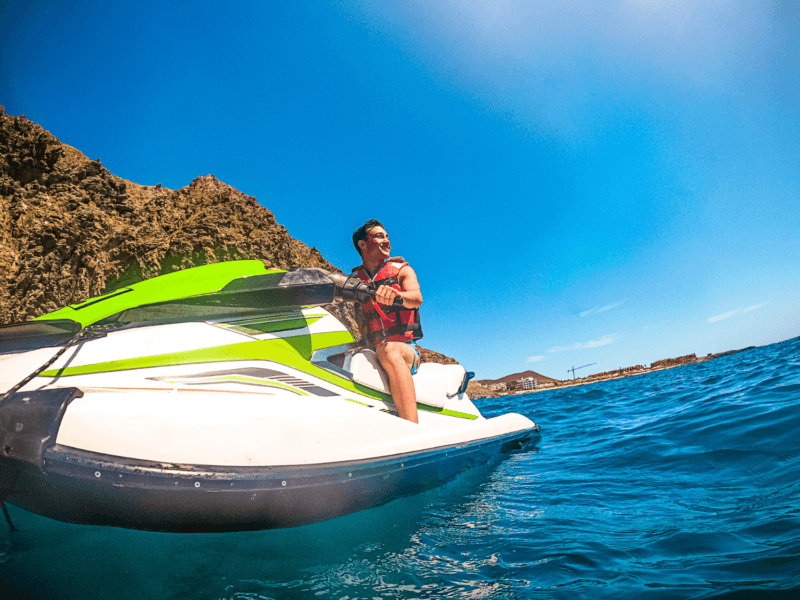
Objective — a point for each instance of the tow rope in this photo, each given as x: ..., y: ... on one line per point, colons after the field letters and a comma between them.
x: 83, y: 333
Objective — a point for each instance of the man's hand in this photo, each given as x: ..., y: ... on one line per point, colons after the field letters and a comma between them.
x: 386, y: 294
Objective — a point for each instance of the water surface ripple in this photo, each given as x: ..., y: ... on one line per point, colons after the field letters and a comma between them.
x: 683, y: 483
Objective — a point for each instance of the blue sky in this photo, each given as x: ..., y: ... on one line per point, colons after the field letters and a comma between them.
x: 588, y: 182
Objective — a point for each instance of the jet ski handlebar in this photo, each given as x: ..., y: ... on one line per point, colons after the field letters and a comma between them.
x: 352, y: 289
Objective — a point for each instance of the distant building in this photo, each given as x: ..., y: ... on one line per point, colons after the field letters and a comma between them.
x: 528, y: 383
x: 515, y: 381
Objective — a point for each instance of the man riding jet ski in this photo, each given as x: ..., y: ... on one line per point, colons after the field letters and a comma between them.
x: 392, y: 330
x: 224, y: 398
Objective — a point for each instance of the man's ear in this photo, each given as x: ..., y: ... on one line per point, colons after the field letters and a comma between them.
x: 363, y: 245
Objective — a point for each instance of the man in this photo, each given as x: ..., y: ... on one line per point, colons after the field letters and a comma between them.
x: 391, y: 329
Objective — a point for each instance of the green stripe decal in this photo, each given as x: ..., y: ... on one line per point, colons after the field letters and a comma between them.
x: 206, y: 279
x: 356, y: 402
x: 272, y: 326
x: 271, y: 318
x: 239, y: 379
x: 293, y: 352
x: 446, y: 412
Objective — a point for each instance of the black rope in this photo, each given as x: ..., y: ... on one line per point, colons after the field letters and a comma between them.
x: 83, y: 333
x: 8, y: 516
x: 70, y: 342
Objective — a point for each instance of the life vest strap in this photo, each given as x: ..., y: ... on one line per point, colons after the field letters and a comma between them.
x: 371, y: 315
x: 387, y: 281
x: 374, y: 337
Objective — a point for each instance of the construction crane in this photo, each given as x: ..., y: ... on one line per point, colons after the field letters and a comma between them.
x: 573, y: 369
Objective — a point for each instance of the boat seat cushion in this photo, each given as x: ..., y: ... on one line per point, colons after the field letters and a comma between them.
x: 366, y: 370
x: 433, y: 382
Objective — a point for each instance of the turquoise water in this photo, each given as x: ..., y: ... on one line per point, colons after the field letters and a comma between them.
x: 678, y: 484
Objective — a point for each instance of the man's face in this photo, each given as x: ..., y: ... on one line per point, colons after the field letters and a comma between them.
x: 377, y: 243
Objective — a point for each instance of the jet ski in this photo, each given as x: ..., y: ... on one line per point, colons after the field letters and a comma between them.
x: 223, y: 398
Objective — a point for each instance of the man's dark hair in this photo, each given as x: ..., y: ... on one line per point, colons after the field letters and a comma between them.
x: 361, y: 233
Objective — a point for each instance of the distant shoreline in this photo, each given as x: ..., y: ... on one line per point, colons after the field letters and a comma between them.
x: 586, y: 381
x: 477, y: 391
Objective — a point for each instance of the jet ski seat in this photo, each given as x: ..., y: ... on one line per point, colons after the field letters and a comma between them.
x: 434, y: 383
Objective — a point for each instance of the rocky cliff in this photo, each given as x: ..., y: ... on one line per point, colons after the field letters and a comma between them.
x: 70, y: 230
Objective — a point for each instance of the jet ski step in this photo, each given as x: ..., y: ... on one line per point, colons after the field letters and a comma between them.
x: 29, y: 422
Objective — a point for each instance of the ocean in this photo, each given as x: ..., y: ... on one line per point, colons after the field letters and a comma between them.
x: 683, y: 483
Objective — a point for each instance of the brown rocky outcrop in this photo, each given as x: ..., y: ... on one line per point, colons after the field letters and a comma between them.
x: 426, y: 355
x: 70, y: 230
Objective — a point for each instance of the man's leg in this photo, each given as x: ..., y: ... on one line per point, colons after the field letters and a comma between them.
x: 397, y: 358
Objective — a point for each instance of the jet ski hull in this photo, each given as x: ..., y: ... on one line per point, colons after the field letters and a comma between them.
x: 91, y: 489
x: 222, y: 398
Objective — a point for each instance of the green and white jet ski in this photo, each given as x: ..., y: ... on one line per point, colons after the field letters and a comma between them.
x: 222, y: 398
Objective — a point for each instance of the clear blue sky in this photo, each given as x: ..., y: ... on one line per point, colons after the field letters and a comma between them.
x: 588, y: 182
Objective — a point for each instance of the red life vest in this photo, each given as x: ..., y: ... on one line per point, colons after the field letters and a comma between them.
x: 397, y: 324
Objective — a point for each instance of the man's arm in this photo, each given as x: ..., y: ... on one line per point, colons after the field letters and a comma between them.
x: 411, y: 294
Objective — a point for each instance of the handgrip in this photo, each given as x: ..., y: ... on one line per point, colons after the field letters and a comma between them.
x: 398, y: 301
x: 355, y: 290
